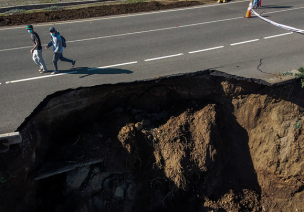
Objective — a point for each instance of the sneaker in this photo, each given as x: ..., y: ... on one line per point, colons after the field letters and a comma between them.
x: 55, y: 72
x: 73, y: 63
x: 40, y: 70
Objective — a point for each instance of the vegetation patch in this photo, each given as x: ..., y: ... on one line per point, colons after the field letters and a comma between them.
x: 53, y: 8
x: 14, y: 11
x: 301, y: 75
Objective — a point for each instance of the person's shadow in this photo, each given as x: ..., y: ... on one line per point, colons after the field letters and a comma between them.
x: 274, y: 7
x: 85, y: 71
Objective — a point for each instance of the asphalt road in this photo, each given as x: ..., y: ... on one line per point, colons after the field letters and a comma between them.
x: 147, y: 45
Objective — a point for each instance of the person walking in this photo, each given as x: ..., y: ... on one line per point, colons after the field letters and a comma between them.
x: 56, y: 42
x: 37, y: 50
x: 256, y: 4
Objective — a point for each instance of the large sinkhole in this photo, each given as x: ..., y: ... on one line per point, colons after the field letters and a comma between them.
x: 194, y: 142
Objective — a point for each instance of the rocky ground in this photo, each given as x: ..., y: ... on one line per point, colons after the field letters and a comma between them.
x: 96, y: 11
x: 195, y: 142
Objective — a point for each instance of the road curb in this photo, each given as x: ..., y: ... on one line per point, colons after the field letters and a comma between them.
x: 41, y: 6
x: 8, y: 139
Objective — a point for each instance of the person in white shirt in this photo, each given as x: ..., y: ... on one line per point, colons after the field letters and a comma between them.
x: 56, y: 42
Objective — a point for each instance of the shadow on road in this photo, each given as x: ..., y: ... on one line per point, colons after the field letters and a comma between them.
x: 88, y: 71
x: 274, y: 7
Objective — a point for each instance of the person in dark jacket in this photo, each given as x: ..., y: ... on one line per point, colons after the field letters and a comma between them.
x: 36, y: 51
x: 56, y: 42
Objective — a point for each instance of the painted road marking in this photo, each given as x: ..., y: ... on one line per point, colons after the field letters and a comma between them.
x: 139, y: 14
x: 34, y: 78
x: 110, y: 66
x: 25, y: 47
x: 146, y: 31
x: 274, y: 36
x: 144, y: 13
x: 248, y: 41
x: 134, y: 62
x: 72, y: 72
x: 128, y: 15
x: 153, y: 30
x: 139, y: 32
x: 203, y: 50
x: 159, y: 58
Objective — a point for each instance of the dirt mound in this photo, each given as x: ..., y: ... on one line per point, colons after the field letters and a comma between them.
x: 191, y: 143
x: 91, y: 12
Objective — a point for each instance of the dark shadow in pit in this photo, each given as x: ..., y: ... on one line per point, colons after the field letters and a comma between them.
x: 86, y: 72
x: 238, y: 173
x: 134, y: 180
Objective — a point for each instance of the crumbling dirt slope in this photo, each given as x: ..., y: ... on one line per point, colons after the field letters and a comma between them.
x: 91, y: 12
x: 194, y: 142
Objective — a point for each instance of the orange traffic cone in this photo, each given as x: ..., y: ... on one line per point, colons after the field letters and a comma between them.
x: 248, y: 14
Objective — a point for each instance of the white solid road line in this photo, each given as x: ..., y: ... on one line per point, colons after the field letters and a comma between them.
x: 159, y: 58
x: 203, y: 50
x: 127, y: 15
x: 139, y: 14
x: 110, y: 66
x: 139, y: 32
x: 34, y: 78
x: 154, y: 30
x: 248, y: 41
x: 274, y: 36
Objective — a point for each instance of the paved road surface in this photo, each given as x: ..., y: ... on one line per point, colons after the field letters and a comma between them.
x: 146, y: 45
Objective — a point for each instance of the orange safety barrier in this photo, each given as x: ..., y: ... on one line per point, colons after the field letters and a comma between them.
x: 248, y: 13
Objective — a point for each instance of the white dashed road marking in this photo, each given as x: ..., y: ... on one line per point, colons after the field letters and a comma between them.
x: 203, y: 50
x: 134, y: 62
x: 71, y: 72
x: 159, y: 58
x: 34, y: 78
x: 274, y: 36
x: 110, y: 66
x: 248, y: 41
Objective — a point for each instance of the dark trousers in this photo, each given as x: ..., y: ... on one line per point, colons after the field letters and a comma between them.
x: 59, y: 56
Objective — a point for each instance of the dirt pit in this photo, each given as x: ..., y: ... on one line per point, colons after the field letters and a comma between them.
x: 96, y: 11
x: 195, y: 142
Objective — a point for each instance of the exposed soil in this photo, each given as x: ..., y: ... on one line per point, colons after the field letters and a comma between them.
x: 195, y: 142
x: 91, y: 12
